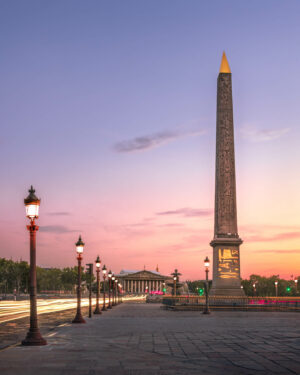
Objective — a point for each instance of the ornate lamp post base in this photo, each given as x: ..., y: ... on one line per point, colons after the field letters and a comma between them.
x: 206, y: 311
x: 34, y: 339
x: 78, y: 319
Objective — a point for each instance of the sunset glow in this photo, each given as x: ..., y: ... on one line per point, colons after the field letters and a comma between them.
x: 119, y: 103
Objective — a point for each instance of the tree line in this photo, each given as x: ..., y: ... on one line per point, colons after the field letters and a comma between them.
x: 264, y: 286
x: 14, y: 278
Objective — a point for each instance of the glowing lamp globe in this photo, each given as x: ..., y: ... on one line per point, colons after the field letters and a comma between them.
x: 32, y: 204
x: 175, y: 278
x: 113, y: 278
x: 206, y: 262
x: 98, y: 262
x: 104, y: 270
x: 110, y: 274
x: 276, y: 282
x: 79, y: 246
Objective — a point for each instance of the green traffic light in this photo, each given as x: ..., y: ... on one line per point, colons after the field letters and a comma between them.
x: 288, y: 289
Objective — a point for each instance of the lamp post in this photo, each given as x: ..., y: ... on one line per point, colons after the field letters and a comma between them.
x: 296, y: 284
x: 79, y: 248
x: 117, y: 291
x: 104, y: 277
x: 109, y: 289
x: 175, y: 279
x: 33, y: 337
x: 254, y: 289
x: 98, y: 264
x: 276, y: 288
x: 206, y: 265
x: 90, y: 273
x: 113, y: 290
x: 120, y: 292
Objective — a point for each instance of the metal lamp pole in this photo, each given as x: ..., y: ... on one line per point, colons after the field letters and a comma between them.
x: 175, y: 279
x: 98, y: 264
x: 104, y: 277
x: 109, y: 289
x: 33, y: 337
x: 276, y: 288
x: 79, y: 248
x: 90, y: 269
x: 206, y: 264
x: 113, y: 290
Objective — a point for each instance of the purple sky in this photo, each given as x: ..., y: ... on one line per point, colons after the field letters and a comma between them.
x: 108, y: 109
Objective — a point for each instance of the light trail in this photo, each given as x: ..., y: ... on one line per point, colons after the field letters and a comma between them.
x: 12, y: 310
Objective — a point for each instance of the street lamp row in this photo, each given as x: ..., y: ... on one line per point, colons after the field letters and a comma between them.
x: 113, y: 288
x: 34, y: 337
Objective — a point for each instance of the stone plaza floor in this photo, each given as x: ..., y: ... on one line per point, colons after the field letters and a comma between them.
x: 144, y: 339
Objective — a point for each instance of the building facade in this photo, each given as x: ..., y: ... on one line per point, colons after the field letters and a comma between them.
x: 142, y: 281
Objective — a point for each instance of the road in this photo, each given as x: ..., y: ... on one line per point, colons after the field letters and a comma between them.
x: 12, y: 310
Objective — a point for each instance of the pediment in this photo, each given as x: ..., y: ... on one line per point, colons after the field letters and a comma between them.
x: 145, y: 275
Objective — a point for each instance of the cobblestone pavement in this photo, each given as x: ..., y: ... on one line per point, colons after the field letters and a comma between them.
x: 15, y: 331
x: 144, y: 339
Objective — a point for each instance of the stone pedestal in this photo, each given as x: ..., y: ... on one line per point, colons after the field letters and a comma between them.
x: 226, y: 267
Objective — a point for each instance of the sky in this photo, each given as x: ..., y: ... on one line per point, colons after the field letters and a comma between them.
x: 108, y: 108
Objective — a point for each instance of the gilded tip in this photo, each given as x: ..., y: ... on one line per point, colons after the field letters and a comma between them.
x: 224, y: 68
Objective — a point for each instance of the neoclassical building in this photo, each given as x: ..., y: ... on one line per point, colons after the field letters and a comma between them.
x: 142, y: 281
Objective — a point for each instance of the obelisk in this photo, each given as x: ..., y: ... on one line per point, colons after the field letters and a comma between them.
x: 226, y: 241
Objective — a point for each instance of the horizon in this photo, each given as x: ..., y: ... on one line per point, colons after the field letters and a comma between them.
x: 113, y: 122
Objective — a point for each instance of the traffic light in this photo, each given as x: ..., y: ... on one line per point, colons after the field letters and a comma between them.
x: 201, y: 291
x: 288, y: 289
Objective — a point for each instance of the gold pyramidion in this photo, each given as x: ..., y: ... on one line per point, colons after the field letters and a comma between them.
x: 224, y: 68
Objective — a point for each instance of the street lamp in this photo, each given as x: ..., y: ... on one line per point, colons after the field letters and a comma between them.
x: 79, y: 248
x: 120, y: 292
x: 206, y: 265
x: 104, y: 277
x: 276, y: 288
x: 254, y: 289
x: 113, y: 290
x: 117, y: 291
x: 109, y: 289
x: 296, y: 284
x: 98, y: 264
x: 32, y: 204
x: 175, y: 279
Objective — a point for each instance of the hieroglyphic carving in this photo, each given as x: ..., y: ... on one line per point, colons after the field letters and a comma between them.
x: 228, y: 266
x: 225, y: 200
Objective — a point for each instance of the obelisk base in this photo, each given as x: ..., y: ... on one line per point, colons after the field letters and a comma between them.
x: 226, y: 267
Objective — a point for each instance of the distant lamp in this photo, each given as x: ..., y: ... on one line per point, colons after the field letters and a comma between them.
x: 98, y: 262
x: 206, y: 262
x: 109, y: 289
x: 104, y: 270
x: 32, y: 204
x: 206, y: 265
x: 79, y: 246
x: 174, y: 278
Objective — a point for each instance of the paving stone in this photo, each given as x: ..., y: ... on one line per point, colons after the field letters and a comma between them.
x: 143, y: 339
